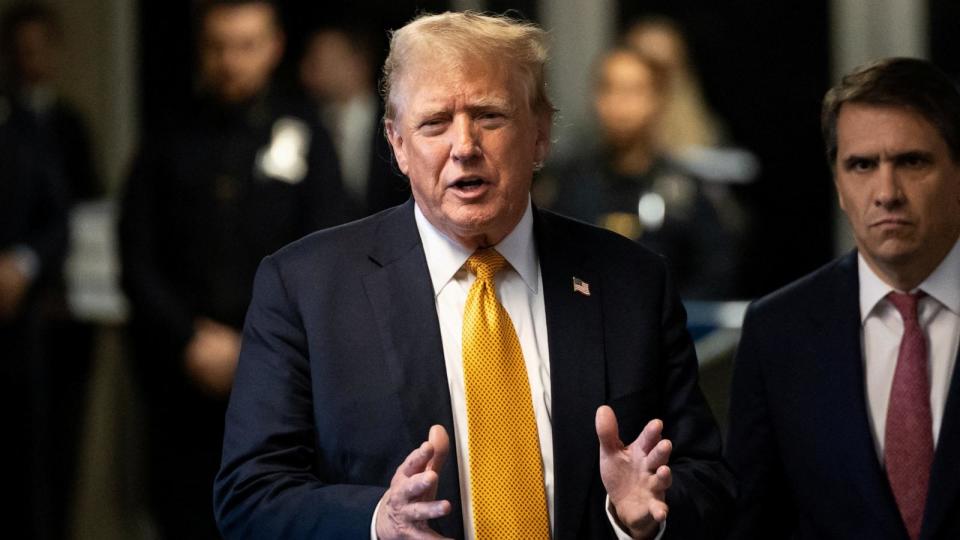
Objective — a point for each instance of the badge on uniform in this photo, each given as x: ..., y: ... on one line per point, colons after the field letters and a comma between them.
x: 285, y: 158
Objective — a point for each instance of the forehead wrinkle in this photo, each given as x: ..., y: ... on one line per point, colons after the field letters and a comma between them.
x: 469, y: 99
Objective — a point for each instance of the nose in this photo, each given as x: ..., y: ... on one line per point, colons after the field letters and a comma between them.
x: 888, y: 193
x: 466, y: 143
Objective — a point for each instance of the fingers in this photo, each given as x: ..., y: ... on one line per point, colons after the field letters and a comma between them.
x: 658, y: 510
x: 440, y: 442
x: 664, y: 477
x: 416, y: 461
x: 650, y: 436
x: 418, y: 486
x: 423, y: 511
x: 659, y: 455
x: 607, y: 431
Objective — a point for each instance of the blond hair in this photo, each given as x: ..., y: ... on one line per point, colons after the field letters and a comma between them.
x: 469, y: 36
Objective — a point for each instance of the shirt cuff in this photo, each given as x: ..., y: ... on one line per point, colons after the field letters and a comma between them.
x: 621, y: 534
x: 373, y: 522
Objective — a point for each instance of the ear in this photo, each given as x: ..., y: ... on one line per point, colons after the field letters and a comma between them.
x: 396, y: 143
x: 542, y: 149
x: 840, y: 199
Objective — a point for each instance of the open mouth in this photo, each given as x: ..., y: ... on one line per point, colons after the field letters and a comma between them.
x: 468, y: 183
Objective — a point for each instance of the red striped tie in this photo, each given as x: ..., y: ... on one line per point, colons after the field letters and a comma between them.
x: 908, y: 441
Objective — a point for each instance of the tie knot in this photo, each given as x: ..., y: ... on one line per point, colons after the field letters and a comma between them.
x: 906, y: 303
x: 485, y: 263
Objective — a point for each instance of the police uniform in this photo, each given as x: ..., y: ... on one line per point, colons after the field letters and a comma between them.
x: 666, y: 208
x: 210, y: 194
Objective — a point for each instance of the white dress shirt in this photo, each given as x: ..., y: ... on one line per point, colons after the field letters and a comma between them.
x: 939, y: 316
x: 519, y: 288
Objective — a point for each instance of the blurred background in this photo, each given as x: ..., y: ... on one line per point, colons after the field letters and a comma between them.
x: 689, y: 125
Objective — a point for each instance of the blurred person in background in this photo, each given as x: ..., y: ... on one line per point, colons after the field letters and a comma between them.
x: 686, y: 120
x: 338, y: 71
x: 688, y: 130
x: 30, y: 35
x: 845, y: 402
x: 31, y: 41
x: 33, y: 239
x: 631, y: 186
x: 234, y: 177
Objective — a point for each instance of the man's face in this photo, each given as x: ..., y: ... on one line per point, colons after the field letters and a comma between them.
x: 626, y: 101
x: 240, y: 46
x: 332, y: 69
x: 467, y: 139
x: 899, y: 188
x: 34, y: 53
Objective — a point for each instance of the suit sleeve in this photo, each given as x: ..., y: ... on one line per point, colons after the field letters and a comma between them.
x: 702, y: 494
x: 764, y: 506
x: 267, y: 486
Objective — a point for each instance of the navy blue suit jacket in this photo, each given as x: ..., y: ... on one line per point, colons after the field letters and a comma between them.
x: 799, y: 441
x: 342, y: 374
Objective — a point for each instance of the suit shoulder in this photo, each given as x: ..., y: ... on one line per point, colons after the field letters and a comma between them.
x: 334, y: 246
x: 809, y: 291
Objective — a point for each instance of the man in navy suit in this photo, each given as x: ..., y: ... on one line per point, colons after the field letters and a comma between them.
x: 348, y: 417
x: 844, y: 412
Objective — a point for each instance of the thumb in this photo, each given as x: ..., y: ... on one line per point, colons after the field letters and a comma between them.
x: 606, y: 425
x: 440, y: 441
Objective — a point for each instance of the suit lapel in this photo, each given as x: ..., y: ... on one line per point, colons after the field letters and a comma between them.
x: 402, y: 301
x: 577, y: 374
x: 945, y: 473
x: 841, y: 371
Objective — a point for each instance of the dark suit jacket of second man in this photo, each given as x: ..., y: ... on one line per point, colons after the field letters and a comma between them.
x: 801, y: 442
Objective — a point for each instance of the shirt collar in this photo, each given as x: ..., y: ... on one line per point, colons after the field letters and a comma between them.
x: 944, y: 283
x: 940, y: 285
x: 445, y: 257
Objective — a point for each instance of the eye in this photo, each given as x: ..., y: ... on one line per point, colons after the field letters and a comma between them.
x: 432, y: 126
x: 491, y: 119
x: 856, y: 164
x: 913, y: 160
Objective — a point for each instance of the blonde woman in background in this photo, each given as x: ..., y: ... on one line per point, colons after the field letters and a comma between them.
x: 688, y: 130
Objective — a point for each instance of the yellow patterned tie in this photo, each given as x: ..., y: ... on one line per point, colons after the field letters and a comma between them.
x: 506, y: 472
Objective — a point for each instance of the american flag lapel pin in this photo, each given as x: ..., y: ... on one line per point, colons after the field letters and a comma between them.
x: 581, y: 286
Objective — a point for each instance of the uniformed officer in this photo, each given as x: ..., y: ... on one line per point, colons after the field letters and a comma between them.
x: 238, y: 175
x: 632, y: 187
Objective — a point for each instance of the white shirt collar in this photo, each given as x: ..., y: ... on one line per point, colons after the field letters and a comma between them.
x: 445, y: 257
x: 943, y: 284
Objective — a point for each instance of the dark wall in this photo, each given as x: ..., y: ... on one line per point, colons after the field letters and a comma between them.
x: 945, y: 36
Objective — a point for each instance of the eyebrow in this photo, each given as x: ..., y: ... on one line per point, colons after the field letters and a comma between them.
x: 895, y: 157
x: 479, y: 105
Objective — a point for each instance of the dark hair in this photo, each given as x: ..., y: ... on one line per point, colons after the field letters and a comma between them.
x: 896, y: 82
x: 202, y: 8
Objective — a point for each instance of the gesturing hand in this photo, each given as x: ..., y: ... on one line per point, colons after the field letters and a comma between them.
x: 636, y: 477
x: 410, y: 500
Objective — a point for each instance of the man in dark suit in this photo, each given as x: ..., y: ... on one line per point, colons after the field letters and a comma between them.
x: 845, y: 419
x: 33, y: 242
x: 235, y: 177
x: 363, y: 341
